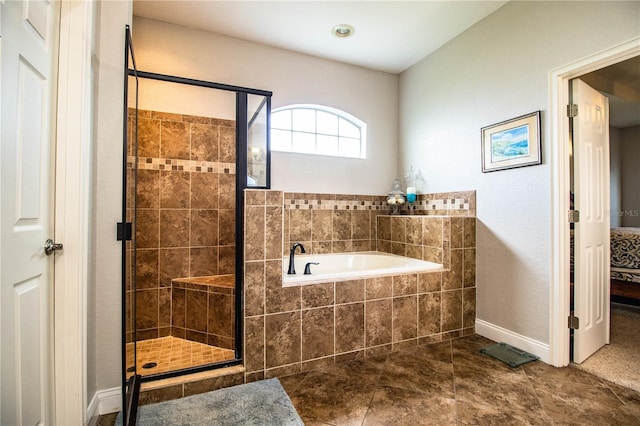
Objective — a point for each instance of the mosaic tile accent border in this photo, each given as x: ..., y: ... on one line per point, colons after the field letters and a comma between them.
x: 433, y: 204
x: 299, y: 204
x: 445, y: 204
x: 194, y: 166
x: 461, y: 203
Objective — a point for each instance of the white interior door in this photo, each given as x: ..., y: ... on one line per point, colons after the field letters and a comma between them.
x: 591, y: 185
x: 28, y: 52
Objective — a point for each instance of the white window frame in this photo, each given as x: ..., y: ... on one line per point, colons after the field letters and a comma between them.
x: 361, y: 125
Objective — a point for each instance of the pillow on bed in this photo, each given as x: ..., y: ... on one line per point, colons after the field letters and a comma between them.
x: 625, y: 248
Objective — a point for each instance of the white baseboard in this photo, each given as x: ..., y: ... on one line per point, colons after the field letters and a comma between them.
x: 105, y: 401
x: 499, y: 334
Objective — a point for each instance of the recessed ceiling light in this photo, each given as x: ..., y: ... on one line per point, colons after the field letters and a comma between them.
x: 343, y: 30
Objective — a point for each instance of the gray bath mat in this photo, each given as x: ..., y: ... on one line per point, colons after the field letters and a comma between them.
x: 508, y: 354
x: 258, y: 403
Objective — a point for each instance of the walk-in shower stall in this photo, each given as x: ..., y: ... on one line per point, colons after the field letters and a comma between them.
x: 191, y: 147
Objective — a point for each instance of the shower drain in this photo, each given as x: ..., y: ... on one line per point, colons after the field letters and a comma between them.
x: 150, y: 365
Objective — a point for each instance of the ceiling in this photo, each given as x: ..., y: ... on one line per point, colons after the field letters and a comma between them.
x: 389, y: 36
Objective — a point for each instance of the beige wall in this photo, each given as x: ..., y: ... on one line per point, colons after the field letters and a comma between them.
x: 293, y: 78
x: 630, y: 176
x: 615, y: 172
x: 497, y: 70
x: 105, y: 297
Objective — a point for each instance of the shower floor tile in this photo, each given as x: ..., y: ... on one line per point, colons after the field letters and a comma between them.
x: 173, y: 353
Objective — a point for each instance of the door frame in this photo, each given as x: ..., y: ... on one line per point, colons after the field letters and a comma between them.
x: 73, y: 189
x: 559, y: 295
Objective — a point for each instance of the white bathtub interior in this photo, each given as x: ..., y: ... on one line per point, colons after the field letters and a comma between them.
x: 350, y: 266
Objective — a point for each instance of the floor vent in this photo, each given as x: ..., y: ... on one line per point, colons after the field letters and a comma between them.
x: 508, y: 354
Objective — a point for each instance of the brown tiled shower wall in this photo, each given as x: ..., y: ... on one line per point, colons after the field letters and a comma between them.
x: 297, y: 328
x: 185, y: 204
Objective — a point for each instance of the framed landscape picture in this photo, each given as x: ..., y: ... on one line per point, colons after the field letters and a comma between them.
x: 512, y: 143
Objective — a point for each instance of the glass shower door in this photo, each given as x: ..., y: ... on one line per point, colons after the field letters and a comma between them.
x: 126, y: 234
x: 258, y: 152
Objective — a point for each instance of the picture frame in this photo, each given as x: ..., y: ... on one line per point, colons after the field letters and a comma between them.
x: 512, y: 143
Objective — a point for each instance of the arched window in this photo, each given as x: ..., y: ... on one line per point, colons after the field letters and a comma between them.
x: 319, y: 130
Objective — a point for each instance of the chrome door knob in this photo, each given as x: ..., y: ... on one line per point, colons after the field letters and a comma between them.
x: 50, y: 246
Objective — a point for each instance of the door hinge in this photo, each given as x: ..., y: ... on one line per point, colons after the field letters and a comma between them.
x: 572, y: 110
x: 124, y: 231
x: 574, y: 216
x: 574, y: 322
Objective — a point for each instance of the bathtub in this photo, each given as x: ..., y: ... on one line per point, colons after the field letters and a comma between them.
x: 351, y: 266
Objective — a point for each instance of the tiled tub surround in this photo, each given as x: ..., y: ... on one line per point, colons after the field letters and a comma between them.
x: 449, y: 240
x: 185, y: 204
x: 294, y: 329
x: 330, y: 223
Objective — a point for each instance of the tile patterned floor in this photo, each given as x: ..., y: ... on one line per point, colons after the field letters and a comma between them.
x: 451, y: 383
x: 172, y: 353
